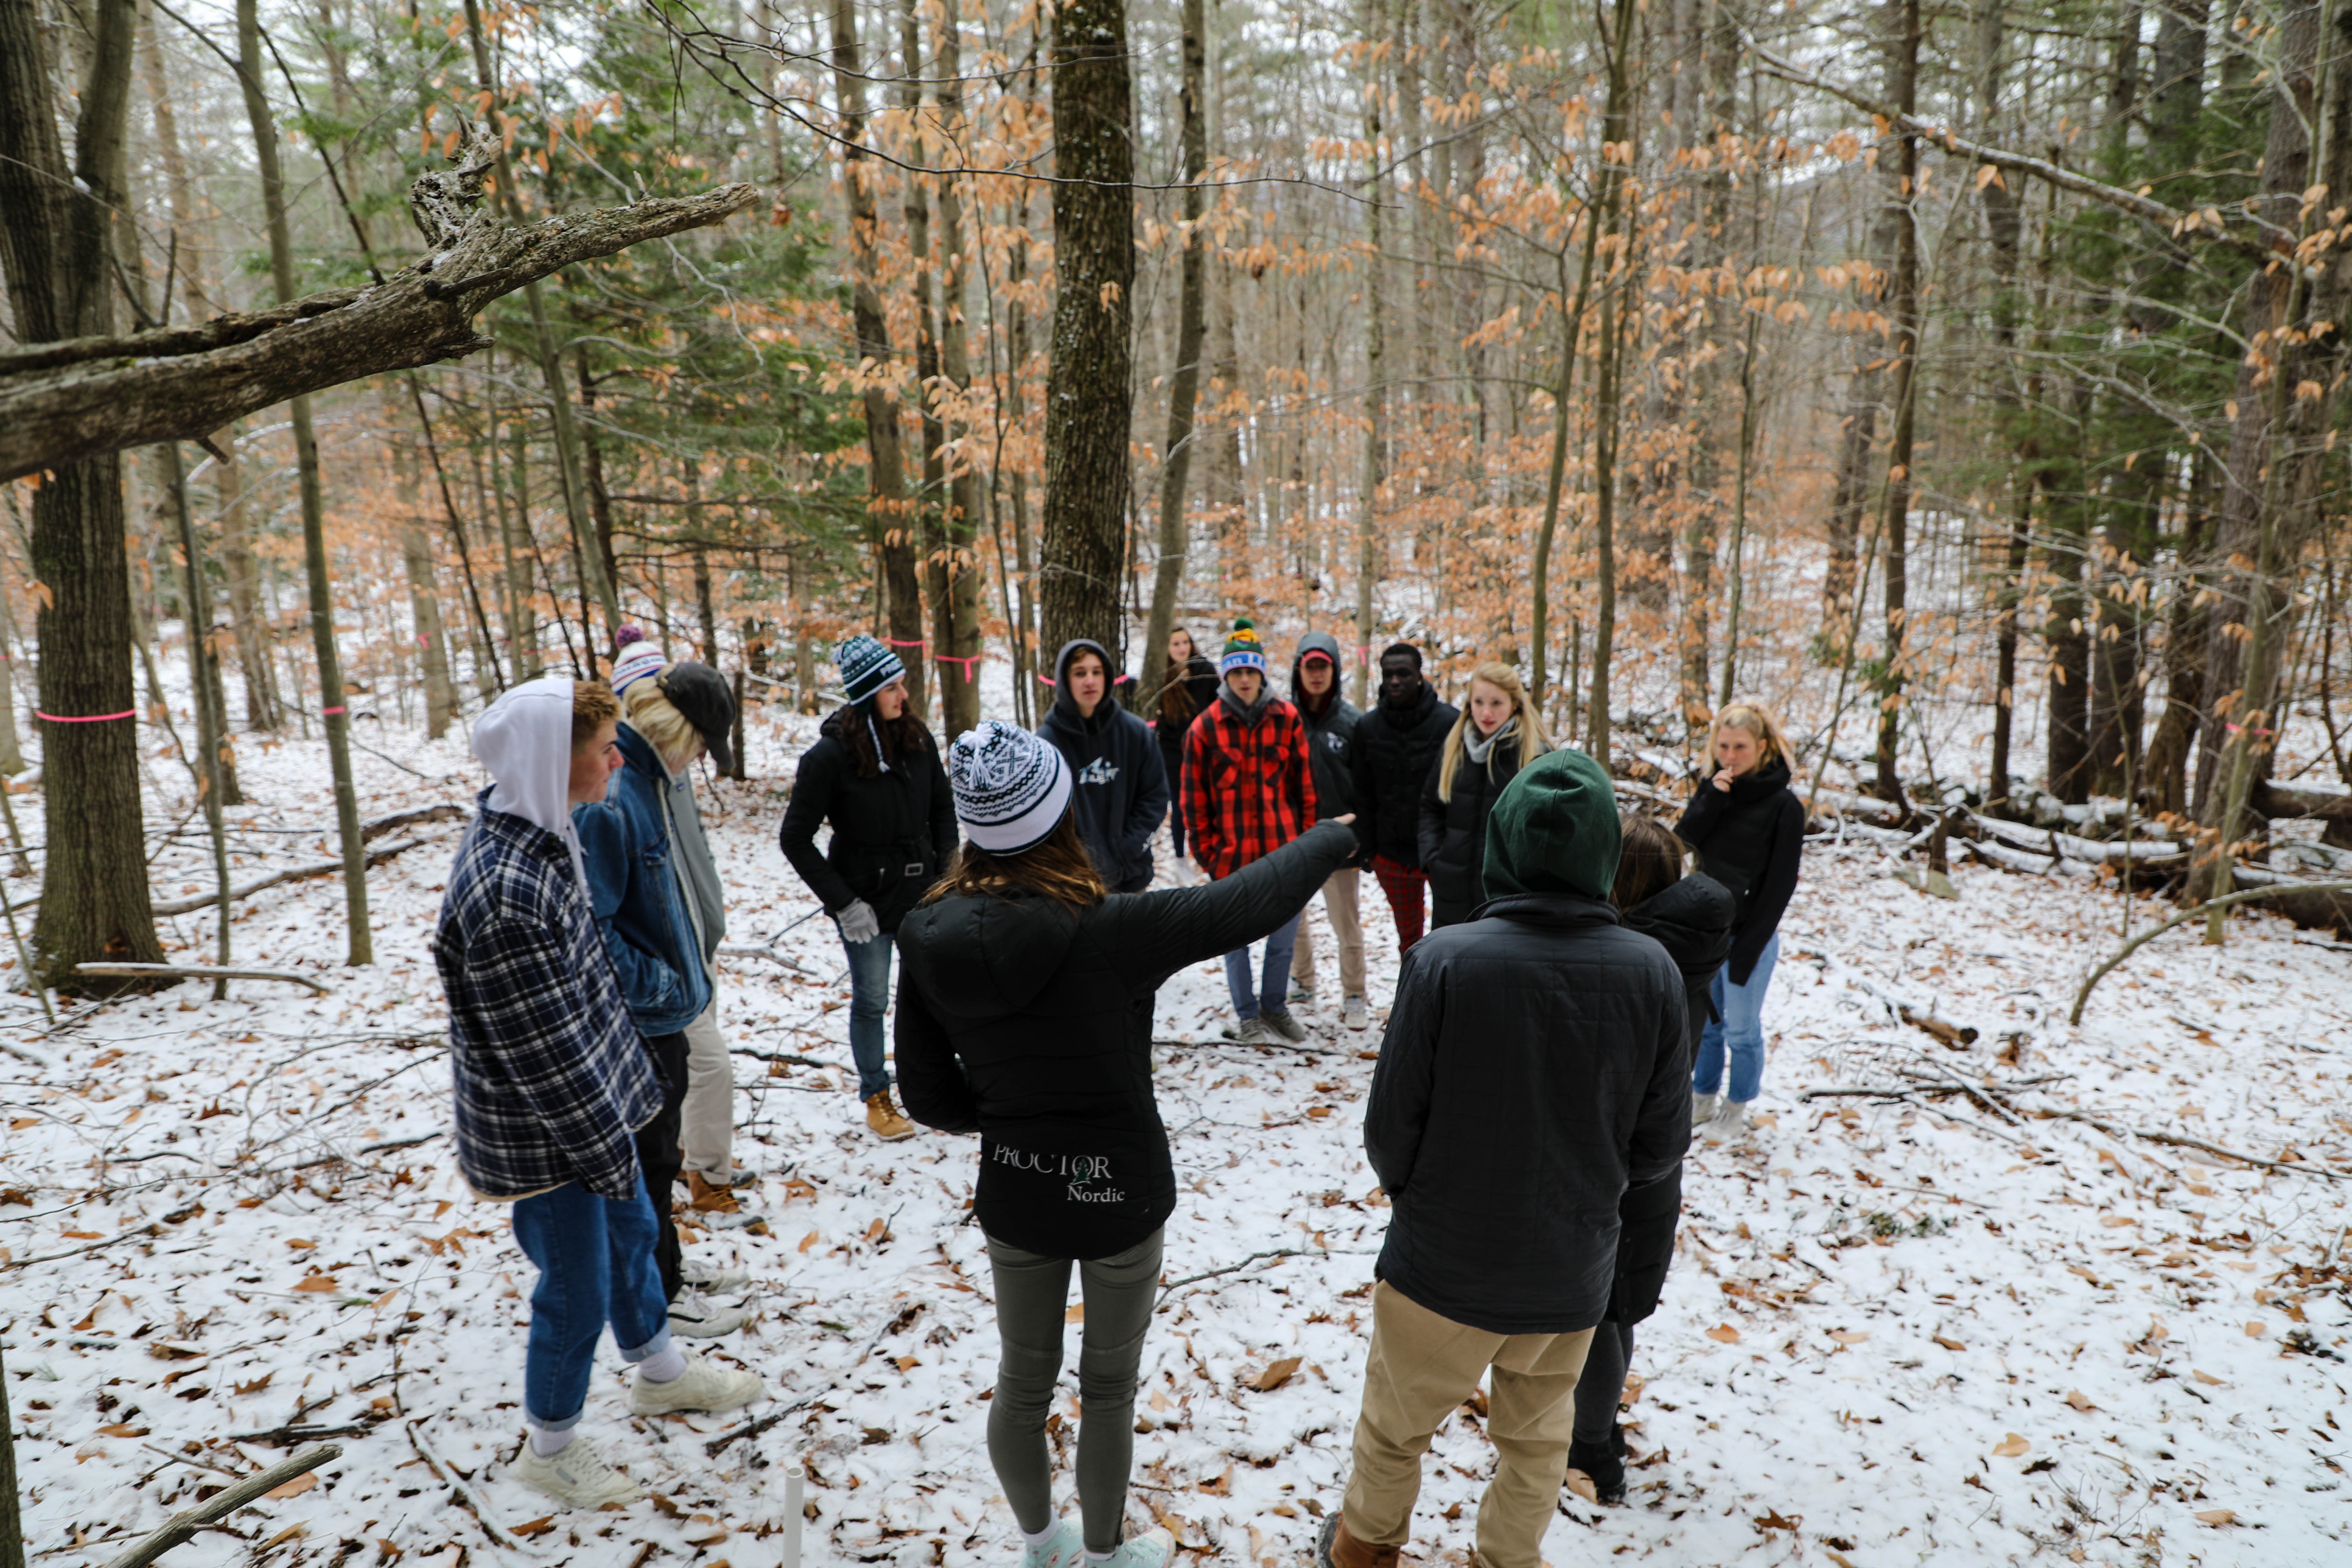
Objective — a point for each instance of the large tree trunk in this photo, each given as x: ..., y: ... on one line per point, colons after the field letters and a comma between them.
x: 2005, y: 227
x: 1089, y: 387
x: 956, y: 613
x: 1184, y: 381
x: 55, y: 243
x: 1607, y: 396
x: 1903, y: 307
x: 1368, y: 485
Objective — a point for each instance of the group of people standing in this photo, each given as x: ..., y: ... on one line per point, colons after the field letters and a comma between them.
x: 1552, y: 1043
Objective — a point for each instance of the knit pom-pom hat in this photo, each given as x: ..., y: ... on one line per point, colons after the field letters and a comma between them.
x: 866, y: 666
x: 1011, y: 788
x: 1243, y: 650
x: 639, y: 657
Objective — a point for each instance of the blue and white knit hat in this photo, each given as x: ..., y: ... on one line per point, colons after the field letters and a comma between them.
x: 866, y: 666
x: 1242, y: 649
x: 1011, y: 788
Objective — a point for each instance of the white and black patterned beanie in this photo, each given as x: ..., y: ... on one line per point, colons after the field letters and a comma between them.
x: 1011, y: 788
x: 866, y: 666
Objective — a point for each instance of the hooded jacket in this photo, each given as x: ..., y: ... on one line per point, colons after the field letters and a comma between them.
x: 892, y: 833
x: 1692, y: 921
x: 1031, y: 1024
x: 1248, y: 787
x: 1119, y: 784
x: 1330, y: 731
x: 1752, y: 840
x: 638, y: 891
x: 549, y: 1075
x: 1454, y: 832
x: 1535, y: 1069
x: 1394, y: 751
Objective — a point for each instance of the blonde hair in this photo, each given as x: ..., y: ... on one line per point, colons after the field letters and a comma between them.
x: 669, y: 732
x: 1756, y: 719
x: 1534, y: 740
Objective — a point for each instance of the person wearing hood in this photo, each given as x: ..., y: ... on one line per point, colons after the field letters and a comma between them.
x: 1025, y: 1003
x: 1396, y: 745
x: 649, y: 901
x: 874, y: 775
x: 1330, y: 719
x: 552, y: 1083
x: 1532, y: 1075
x: 1248, y: 791
x: 1749, y: 831
x: 1119, y: 786
x: 1690, y: 916
x: 1188, y: 684
x: 1494, y: 736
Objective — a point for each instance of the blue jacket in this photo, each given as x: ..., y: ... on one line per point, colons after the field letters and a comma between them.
x: 1119, y: 784
x: 638, y: 895
x: 551, y: 1081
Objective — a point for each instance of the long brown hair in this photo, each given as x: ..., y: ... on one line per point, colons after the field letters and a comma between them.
x: 900, y: 736
x: 1176, y: 705
x: 1059, y: 868
x: 1649, y: 862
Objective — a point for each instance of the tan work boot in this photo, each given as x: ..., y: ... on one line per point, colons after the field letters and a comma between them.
x: 883, y: 1118
x: 1335, y: 1548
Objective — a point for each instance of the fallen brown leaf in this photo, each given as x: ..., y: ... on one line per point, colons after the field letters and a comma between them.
x: 1582, y: 1484
x: 1276, y: 1374
x: 1949, y: 1344
x: 297, y: 1487
x: 319, y: 1282
x: 1724, y: 1333
x: 2011, y: 1447
x: 2080, y: 1400
x: 539, y: 1526
x: 2217, y: 1516
x: 2208, y: 1379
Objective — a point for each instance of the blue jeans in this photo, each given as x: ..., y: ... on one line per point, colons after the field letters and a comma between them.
x: 1741, y: 1028
x: 869, y: 999
x: 595, y: 1258
x: 1276, y: 980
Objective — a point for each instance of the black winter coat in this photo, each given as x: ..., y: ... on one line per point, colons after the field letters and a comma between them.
x: 1534, y: 1069
x: 1118, y: 786
x: 1751, y: 840
x: 1330, y: 733
x: 1032, y: 1026
x: 1201, y: 679
x: 1454, y: 832
x: 1394, y: 752
x: 892, y: 833
x: 1692, y: 921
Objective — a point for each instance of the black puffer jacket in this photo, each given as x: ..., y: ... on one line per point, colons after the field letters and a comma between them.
x: 892, y: 833
x: 1394, y: 751
x: 1535, y: 1068
x: 1330, y: 731
x: 1454, y: 832
x: 1032, y: 1027
x: 1200, y: 680
x: 1692, y: 921
x: 1752, y: 840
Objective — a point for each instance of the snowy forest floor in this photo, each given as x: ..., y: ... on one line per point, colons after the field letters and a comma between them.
x: 1940, y: 1330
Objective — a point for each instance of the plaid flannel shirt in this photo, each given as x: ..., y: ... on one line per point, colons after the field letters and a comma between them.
x: 552, y: 1079
x: 1248, y: 788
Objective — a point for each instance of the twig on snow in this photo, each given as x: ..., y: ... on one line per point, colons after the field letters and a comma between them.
x: 1174, y: 1285
x: 197, y: 972
x: 458, y: 1483
x: 718, y: 1445
x: 186, y: 1522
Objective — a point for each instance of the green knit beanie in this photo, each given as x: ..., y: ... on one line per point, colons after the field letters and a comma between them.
x: 1555, y: 829
x: 1243, y: 650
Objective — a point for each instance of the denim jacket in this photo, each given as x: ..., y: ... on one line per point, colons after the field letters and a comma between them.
x: 638, y: 895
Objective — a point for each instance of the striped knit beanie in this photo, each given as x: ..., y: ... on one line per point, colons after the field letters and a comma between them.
x: 639, y: 659
x: 1011, y: 788
x: 1243, y: 650
x: 866, y: 666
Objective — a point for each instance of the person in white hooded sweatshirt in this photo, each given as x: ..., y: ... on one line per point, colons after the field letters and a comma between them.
x: 552, y: 1081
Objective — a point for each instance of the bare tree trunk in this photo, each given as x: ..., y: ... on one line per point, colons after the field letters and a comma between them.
x: 1089, y: 390
x: 335, y: 721
x: 1904, y: 299
x: 957, y: 611
x: 1607, y: 394
x: 432, y: 640
x: 1368, y: 484
x: 55, y: 245
x: 1191, y: 331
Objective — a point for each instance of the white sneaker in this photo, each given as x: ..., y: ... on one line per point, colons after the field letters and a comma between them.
x: 1355, y: 1015
x: 1704, y: 1108
x: 1300, y: 995
x: 697, y: 1317
x: 712, y: 1279
x: 1065, y: 1548
x: 703, y: 1386
x: 1730, y: 1123
x: 1152, y: 1549
x: 577, y: 1477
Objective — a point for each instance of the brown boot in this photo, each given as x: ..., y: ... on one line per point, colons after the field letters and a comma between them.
x: 1335, y: 1548
x: 883, y: 1118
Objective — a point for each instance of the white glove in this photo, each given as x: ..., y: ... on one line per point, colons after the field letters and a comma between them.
x: 858, y: 922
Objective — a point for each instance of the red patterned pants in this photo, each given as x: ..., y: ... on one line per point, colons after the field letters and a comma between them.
x: 1403, y: 886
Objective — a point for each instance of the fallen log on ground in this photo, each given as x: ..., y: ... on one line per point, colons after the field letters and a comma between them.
x: 275, y: 878
x: 184, y: 1525
x: 194, y: 971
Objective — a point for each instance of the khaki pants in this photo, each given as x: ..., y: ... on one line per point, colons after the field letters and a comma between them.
x: 1339, y: 904
x: 708, y: 1118
x: 1421, y: 1366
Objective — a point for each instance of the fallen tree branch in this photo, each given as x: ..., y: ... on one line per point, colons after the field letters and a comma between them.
x: 1174, y: 1285
x: 779, y: 1057
x: 65, y: 402
x: 376, y: 827
x: 472, y: 1499
x: 290, y: 874
x: 187, y: 1522
x: 196, y: 972
x: 718, y: 1445
x: 2074, y: 1015
x: 2180, y: 1140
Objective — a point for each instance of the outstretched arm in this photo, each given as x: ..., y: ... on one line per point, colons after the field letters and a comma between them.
x: 1151, y: 936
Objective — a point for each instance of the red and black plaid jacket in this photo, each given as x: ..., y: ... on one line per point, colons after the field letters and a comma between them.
x: 1248, y: 789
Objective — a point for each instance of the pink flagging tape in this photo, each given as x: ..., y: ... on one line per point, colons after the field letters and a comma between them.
x: 968, y: 662
x: 330, y: 712
x: 918, y: 642
x: 86, y: 718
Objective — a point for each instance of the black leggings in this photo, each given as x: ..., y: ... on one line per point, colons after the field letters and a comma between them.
x: 1602, y: 1382
x: 661, y: 1156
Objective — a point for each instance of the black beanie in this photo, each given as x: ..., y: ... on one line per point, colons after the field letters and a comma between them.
x: 1405, y: 648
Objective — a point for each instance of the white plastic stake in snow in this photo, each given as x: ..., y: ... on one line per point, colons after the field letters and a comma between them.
x: 794, y: 1480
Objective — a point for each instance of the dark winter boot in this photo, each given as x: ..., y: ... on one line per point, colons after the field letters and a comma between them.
x: 1605, y: 1463
x: 1335, y: 1548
